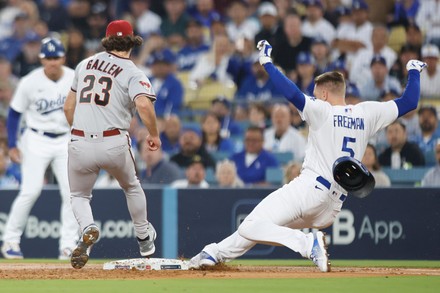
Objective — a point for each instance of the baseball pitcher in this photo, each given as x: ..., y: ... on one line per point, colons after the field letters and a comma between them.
x: 106, y: 91
x: 40, y: 97
x: 313, y: 199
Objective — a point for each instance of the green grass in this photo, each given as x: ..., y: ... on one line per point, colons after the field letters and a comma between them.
x: 377, y: 284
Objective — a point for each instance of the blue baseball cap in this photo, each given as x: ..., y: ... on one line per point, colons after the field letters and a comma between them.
x: 338, y: 64
x: 305, y: 58
x: 317, y: 3
x: 165, y: 56
x: 378, y: 59
x: 223, y: 100
x: 51, y: 48
x: 342, y: 11
x: 352, y: 91
x: 190, y: 128
x: 359, y: 5
x: 319, y: 40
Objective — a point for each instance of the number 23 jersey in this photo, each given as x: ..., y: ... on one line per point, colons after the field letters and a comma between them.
x: 106, y: 87
x: 337, y: 131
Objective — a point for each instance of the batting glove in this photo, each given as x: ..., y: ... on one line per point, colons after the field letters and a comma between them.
x: 415, y: 64
x: 265, y: 51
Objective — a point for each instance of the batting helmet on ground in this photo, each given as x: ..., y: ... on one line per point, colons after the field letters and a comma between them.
x: 51, y: 48
x: 353, y: 176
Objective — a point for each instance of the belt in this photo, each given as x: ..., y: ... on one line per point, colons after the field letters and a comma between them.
x: 327, y: 184
x: 105, y: 133
x: 48, y: 134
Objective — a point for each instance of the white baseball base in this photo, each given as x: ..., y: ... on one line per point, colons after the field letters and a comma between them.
x: 147, y: 264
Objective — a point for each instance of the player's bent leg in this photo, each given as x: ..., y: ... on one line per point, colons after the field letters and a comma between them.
x: 80, y: 254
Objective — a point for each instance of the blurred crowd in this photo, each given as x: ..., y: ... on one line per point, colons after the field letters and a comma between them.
x: 222, y: 121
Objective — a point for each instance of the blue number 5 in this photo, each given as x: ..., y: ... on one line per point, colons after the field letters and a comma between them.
x: 345, y: 147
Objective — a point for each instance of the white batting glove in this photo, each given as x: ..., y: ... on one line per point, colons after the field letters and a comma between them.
x: 415, y: 64
x: 265, y: 51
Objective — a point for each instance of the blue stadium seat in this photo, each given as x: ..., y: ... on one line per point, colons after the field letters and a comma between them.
x: 283, y: 157
x: 210, y: 176
x: 274, y: 175
x: 402, y: 177
x: 220, y: 156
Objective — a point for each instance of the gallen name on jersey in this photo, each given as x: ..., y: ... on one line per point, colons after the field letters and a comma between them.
x: 106, y: 67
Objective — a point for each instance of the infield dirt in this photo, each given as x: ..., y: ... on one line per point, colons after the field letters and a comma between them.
x: 28, y: 271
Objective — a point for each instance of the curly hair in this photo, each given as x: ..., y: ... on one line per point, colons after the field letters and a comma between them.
x: 115, y: 43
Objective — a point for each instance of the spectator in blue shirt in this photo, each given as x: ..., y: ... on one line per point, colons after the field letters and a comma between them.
x: 11, y: 46
x: 195, y: 46
x: 211, y: 138
x: 221, y: 106
x: 428, y: 139
x: 169, y: 90
x: 257, y: 86
x: 253, y: 161
x: 306, y: 69
x: 204, y: 12
x: 170, y: 135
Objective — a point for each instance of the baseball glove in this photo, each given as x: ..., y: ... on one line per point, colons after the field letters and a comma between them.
x: 353, y: 176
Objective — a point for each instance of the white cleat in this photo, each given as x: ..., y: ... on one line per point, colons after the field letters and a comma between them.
x: 319, y: 254
x: 11, y: 250
x: 203, y: 259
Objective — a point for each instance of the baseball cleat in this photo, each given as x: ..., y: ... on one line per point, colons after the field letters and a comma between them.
x: 146, y: 246
x: 11, y: 250
x: 203, y: 259
x: 319, y: 254
x: 80, y: 254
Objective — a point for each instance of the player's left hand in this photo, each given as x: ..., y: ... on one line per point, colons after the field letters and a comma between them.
x: 265, y: 51
x: 415, y: 64
x: 153, y: 142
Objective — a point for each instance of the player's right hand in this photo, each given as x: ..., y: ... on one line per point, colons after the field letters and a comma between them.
x: 265, y: 51
x: 153, y: 142
x: 415, y: 64
x: 15, y: 155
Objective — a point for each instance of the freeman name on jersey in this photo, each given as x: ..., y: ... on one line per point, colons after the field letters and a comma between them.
x: 106, y: 67
x: 348, y: 122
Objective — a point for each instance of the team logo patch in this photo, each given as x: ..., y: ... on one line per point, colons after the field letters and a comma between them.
x: 145, y: 84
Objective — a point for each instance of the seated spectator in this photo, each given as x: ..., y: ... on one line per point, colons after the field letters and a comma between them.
x: 428, y: 122
x: 253, y: 161
x: 432, y: 177
x: 352, y: 94
x: 258, y: 115
x: 213, y: 64
x: 190, y: 141
x: 97, y: 22
x: 54, y: 13
x: 174, y: 24
x: 11, y: 46
x: 430, y: 78
x: 428, y: 19
x: 282, y: 137
x: 401, y: 154
x: 169, y: 90
x: 360, y: 67
x: 204, y: 12
x: 291, y: 171
x: 398, y: 70
x: 28, y: 59
x: 379, y: 82
x: 221, y: 107
x: 194, y: 47
x: 305, y: 66
x: 240, y: 24
x: 321, y: 54
x: 212, y: 141
x: 170, y: 135
x: 194, y: 173
x: 315, y: 25
x: 75, y: 51
x: 414, y: 36
x: 270, y: 28
x: 291, y: 43
x: 146, y: 21
x: 257, y: 86
x: 226, y: 174
x: 7, y: 180
x: 371, y: 162
x: 404, y: 13
x: 158, y: 169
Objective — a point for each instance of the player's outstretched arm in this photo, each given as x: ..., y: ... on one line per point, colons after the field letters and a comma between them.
x: 285, y: 85
x: 411, y: 95
x: 69, y: 106
x: 146, y: 111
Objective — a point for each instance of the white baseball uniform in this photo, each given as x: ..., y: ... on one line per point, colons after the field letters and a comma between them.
x: 313, y: 199
x: 43, y: 143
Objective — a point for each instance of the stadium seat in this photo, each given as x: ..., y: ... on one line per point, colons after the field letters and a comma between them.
x: 283, y: 157
x: 402, y: 177
x: 220, y: 156
x: 274, y: 175
x: 210, y: 176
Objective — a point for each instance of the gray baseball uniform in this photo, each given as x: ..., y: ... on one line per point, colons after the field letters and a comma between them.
x: 106, y: 87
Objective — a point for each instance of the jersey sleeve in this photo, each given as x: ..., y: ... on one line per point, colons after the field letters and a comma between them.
x: 315, y: 112
x: 140, y: 85
x: 20, y: 101
x: 380, y: 114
